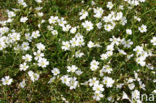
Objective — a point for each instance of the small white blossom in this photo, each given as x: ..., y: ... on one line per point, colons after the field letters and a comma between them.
x: 27, y: 58
x: 110, y: 5
x: 129, y: 31
x: 143, y: 28
x: 23, y: 67
x: 33, y: 76
x: 22, y: 84
x: 72, y: 68
x: 55, y: 71
x: 87, y: 25
x: 108, y: 81
x: 7, y: 80
x: 153, y: 41
x: 42, y: 62
x: 23, y: 19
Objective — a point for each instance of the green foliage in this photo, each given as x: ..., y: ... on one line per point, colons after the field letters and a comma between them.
x: 43, y: 92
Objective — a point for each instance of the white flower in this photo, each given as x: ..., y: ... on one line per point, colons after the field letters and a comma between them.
x: 93, y: 3
x: 108, y: 27
x: 137, y: 18
x: 80, y: 42
x: 54, y: 32
x: 65, y: 79
x: 149, y: 66
x: 93, y: 81
x: 107, y: 69
x: 120, y: 85
x: 27, y: 58
x: 98, y: 12
x: 66, y: 45
x: 140, y: 60
x: 123, y: 21
x: 143, y: 28
x: 38, y: 1
x: 153, y: 40
x: 15, y: 36
x: 33, y: 76
x: 154, y: 91
x: 53, y: 20
x: 77, y: 41
x: 104, y: 56
x: 11, y: 14
x: 115, y: 40
x: 90, y: 44
x: 111, y: 99
x: 66, y: 28
x: 121, y: 7
x: 73, y: 83
x: 109, y: 53
x: 61, y: 22
x: 131, y: 86
x: 142, y: 0
x: 83, y: 14
x: 38, y: 55
x: 74, y: 42
x: 130, y: 80
x: 129, y: 31
x: 52, y: 80
x: 23, y: 67
x: 78, y: 54
x: 119, y: 16
x: 23, y: 19
x: 78, y: 72
x: 22, y: 84
x: 40, y: 14
x: 28, y: 37
x: 144, y: 55
x: 138, y: 49
x: 7, y: 80
x: 142, y: 85
x: 133, y: 2
x: 87, y: 25
x: 129, y: 56
x: 72, y: 68
x: 127, y: 44
x: 3, y: 30
x: 97, y: 96
x: 73, y: 30
x: 35, y: 34
x: 110, y: 5
x: 21, y: 2
x: 40, y: 46
x: 98, y: 88
x: 108, y: 81
x: 94, y: 65
x: 42, y: 62
x: 50, y: 28
x: 110, y: 47
x: 55, y: 71
x: 25, y: 46
x: 2, y: 45
x: 122, y: 51
x: 99, y: 25
x: 17, y: 48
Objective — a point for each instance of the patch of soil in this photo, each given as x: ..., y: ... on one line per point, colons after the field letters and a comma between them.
x: 2, y: 18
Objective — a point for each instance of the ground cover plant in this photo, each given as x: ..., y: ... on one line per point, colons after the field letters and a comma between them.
x: 77, y: 51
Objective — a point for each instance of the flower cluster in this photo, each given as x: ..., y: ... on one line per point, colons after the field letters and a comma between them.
x: 103, y: 52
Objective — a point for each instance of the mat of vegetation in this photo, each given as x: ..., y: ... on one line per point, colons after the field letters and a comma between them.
x: 77, y: 51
